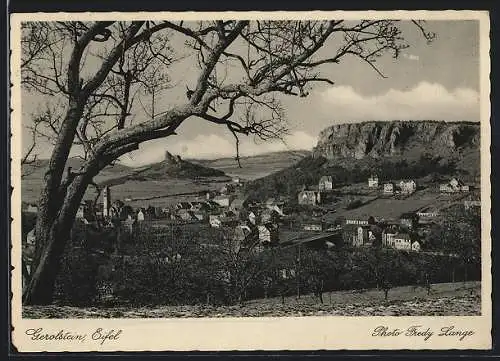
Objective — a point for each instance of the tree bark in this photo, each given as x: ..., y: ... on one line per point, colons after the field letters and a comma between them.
x: 54, y: 236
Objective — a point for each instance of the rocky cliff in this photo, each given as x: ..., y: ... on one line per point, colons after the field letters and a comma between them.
x: 407, y: 139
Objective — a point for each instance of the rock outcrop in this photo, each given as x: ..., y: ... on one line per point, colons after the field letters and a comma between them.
x: 408, y: 139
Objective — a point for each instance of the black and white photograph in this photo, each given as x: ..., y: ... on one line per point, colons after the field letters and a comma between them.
x: 255, y: 168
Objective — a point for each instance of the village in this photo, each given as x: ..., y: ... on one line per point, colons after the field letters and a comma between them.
x: 314, y: 218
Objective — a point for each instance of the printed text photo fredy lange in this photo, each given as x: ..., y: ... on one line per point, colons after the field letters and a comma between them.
x: 250, y: 181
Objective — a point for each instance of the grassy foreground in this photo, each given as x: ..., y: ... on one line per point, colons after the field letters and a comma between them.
x: 446, y: 299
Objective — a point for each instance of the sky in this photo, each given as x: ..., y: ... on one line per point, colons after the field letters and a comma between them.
x: 436, y: 81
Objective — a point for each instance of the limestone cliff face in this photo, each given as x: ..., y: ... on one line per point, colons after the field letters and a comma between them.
x: 397, y: 138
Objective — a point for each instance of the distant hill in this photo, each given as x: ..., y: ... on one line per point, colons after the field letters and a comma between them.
x: 257, y: 166
x: 350, y: 153
x: 167, y: 175
x: 36, y: 170
x: 34, y: 173
x: 175, y: 167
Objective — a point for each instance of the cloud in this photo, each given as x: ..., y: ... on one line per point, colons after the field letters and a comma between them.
x: 215, y: 146
x: 425, y: 101
x: 411, y: 57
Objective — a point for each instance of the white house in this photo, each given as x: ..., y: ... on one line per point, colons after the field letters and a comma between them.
x: 32, y: 208
x: 388, y: 188
x: 453, y: 186
x: 415, y: 246
x: 373, y: 181
x: 325, y: 183
x: 309, y: 197
x: 30, y: 238
x: 215, y: 221
x: 358, y: 222
x: 80, y: 214
x: 408, y: 186
x: 252, y: 217
x: 267, y: 234
x: 402, y: 241
x: 312, y: 227
x: 140, y: 215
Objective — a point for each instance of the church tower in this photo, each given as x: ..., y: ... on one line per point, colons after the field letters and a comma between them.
x: 106, y: 211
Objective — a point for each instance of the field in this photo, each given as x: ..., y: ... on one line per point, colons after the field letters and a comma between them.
x: 255, y: 166
x: 162, y: 191
x: 446, y: 299
x: 390, y: 208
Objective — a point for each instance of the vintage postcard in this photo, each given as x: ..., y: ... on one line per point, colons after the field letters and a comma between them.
x: 251, y: 181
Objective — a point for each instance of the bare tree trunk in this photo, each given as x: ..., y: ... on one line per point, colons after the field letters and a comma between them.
x: 54, y: 224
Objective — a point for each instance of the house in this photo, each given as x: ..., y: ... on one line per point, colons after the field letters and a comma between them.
x: 408, y: 186
x: 373, y: 181
x: 174, y: 217
x: 80, y: 213
x: 287, y: 273
x: 268, y: 234
x: 30, y: 238
x: 245, y: 235
x: 355, y: 235
x: 199, y: 216
x: 215, y: 221
x: 308, y: 197
x: 415, y: 246
x: 31, y: 208
x: 275, y: 205
x: 315, y: 227
x: 223, y: 200
x: 238, y: 204
x: 115, y: 208
x: 402, y: 241
x: 427, y: 215
x: 325, y: 183
x: 151, y: 212
x: 388, y: 238
x: 408, y: 220
x: 129, y: 224
x: 186, y: 215
x: 242, y: 232
x: 126, y: 212
x: 227, y: 188
x: 356, y: 221
x: 269, y: 216
x: 224, y: 219
x: 140, y: 215
x: 361, y: 235
x: 183, y: 205
x: 471, y: 204
x: 453, y: 186
x: 106, y: 202
x: 252, y: 218
x: 389, y: 188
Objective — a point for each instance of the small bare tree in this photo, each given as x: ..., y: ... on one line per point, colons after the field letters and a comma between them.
x: 96, y: 71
